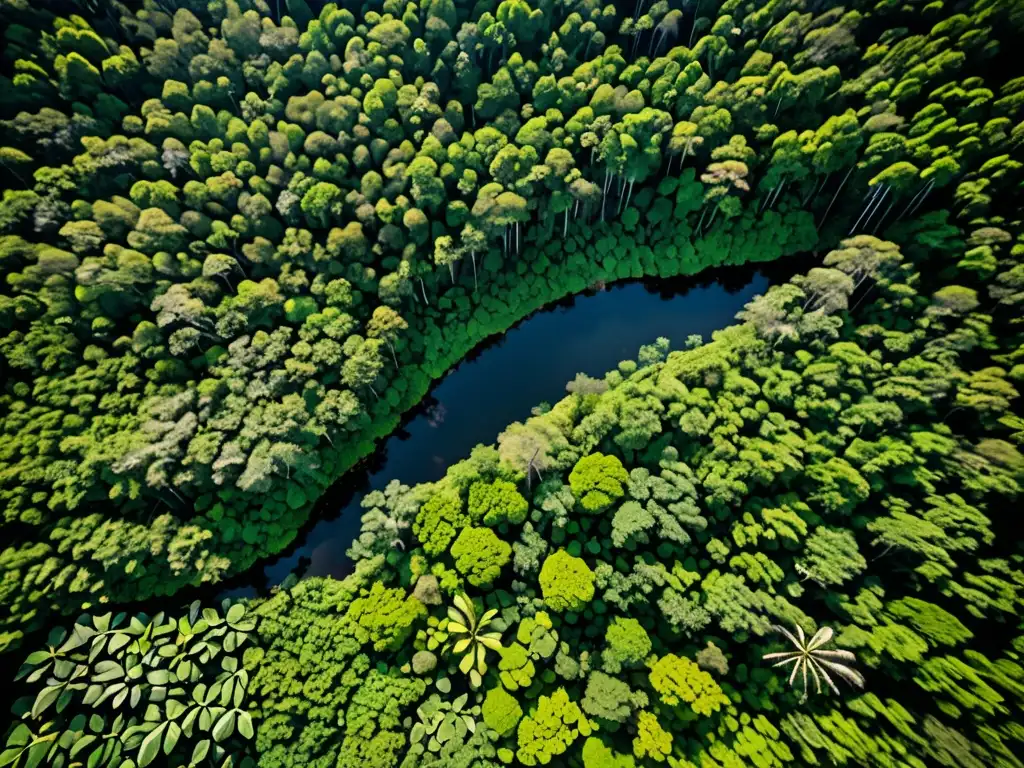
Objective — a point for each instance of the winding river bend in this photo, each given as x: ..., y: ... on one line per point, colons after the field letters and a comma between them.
x: 501, y: 381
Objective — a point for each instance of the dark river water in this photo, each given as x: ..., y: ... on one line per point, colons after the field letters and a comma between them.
x: 500, y: 382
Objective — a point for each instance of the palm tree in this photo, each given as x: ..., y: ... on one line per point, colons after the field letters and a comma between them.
x: 811, y: 655
x: 467, y: 636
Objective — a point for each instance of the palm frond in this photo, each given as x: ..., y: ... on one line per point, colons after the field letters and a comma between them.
x: 821, y: 637
x: 815, y: 669
x: 852, y: 676
x: 468, y: 638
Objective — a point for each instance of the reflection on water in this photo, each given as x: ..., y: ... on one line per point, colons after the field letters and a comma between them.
x: 435, y: 414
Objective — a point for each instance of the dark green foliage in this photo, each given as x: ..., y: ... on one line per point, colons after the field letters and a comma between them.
x: 116, y: 690
x: 881, y: 538
x: 239, y: 238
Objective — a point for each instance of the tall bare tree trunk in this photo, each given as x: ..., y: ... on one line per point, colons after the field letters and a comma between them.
x: 833, y: 200
x: 871, y: 196
x: 877, y: 205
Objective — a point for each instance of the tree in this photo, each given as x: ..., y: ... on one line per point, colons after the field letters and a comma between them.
x: 651, y: 739
x: 631, y: 524
x: 446, y: 254
x: 566, y: 582
x: 471, y: 638
x: 597, y: 480
x: 438, y: 521
x: 383, y: 617
x: 363, y: 363
x: 827, y: 289
x: 516, y: 667
x: 501, y: 711
x: 156, y: 231
x: 864, y: 257
x: 497, y: 502
x: 936, y: 625
x: 473, y: 240
x: 831, y: 557
x: 480, y: 555
x: 711, y: 658
x: 627, y: 645
x: 551, y: 729
x: 597, y: 755
x: 321, y: 202
x: 386, y: 324
x: 679, y: 681
x: 610, y: 699
x: 811, y: 655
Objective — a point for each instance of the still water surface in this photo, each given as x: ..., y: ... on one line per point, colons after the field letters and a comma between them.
x: 499, y: 383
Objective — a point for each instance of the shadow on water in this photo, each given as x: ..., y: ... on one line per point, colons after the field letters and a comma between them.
x: 500, y: 381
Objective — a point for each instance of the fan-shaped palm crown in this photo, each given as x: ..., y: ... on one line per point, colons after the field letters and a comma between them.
x: 467, y: 636
x: 812, y: 656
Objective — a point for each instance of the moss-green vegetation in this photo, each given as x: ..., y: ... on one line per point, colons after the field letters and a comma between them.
x: 828, y: 490
x: 240, y: 237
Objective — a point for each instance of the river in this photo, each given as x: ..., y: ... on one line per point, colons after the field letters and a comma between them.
x: 500, y: 381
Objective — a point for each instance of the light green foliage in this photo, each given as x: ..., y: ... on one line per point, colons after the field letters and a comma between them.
x: 551, y: 729
x: 439, y: 520
x: 831, y: 557
x: 443, y: 727
x: 497, y: 502
x: 597, y: 755
x: 383, y: 617
x: 679, y: 681
x: 597, y: 480
x: 937, y: 626
x: 537, y: 634
x: 631, y: 524
x: 501, y: 711
x: 373, y: 718
x: 480, y: 555
x: 536, y: 643
x: 566, y: 582
x: 627, y: 645
x: 652, y: 741
x: 516, y: 668
x: 297, y: 691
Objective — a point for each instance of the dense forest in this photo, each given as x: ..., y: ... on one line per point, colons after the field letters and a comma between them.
x: 240, y: 238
